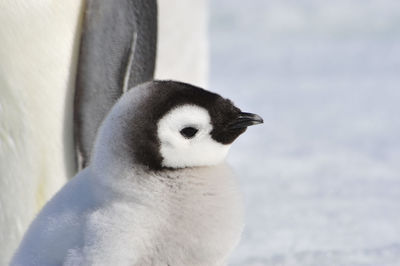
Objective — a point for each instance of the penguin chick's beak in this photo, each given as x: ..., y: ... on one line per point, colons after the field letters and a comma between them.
x: 246, y: 119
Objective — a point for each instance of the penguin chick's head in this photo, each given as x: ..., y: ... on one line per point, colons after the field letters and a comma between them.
x: 168, y: 124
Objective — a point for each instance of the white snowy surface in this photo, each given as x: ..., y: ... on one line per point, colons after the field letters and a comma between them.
x: 321, y: 177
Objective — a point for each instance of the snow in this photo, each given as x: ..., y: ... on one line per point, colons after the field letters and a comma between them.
x: 321, y: 177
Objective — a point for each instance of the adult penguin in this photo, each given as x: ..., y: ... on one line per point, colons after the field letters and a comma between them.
x: 55, y: 85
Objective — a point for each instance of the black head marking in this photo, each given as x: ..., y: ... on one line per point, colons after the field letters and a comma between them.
x: 162, y: 96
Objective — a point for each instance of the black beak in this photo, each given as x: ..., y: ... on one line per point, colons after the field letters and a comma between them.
x: 246, y: 119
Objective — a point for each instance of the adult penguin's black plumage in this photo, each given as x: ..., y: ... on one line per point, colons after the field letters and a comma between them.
x: 117, y: 52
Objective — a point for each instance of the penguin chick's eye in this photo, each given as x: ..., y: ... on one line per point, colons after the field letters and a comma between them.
x: 189, y: 132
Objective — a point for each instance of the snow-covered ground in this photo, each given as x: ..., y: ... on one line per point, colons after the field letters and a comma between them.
x: 321, y: 177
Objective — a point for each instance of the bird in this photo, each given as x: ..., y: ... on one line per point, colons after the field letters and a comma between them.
x: 157, y: 189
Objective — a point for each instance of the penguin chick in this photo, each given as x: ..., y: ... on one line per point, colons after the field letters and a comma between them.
x: 156, y: 191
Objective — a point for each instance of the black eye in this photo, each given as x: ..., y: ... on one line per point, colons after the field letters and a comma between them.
x: 189, y: 132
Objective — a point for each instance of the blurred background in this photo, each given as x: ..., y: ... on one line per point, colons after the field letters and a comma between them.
x: 321, y: 177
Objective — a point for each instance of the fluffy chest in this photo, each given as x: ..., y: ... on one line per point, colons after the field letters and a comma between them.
x: 187, y: 218
x: 202, y: 217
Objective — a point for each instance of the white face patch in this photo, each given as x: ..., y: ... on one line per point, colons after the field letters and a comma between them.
x: 179, y: 151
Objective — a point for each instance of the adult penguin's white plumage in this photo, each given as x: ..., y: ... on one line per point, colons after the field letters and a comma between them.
x: 38, y: 55
x: 156, y: 191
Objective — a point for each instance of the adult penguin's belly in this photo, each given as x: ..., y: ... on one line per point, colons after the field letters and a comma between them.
x: 38, y: 52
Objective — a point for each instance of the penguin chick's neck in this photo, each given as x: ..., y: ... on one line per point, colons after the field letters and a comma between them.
x: 127, y: 181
